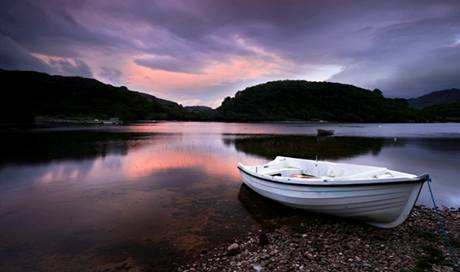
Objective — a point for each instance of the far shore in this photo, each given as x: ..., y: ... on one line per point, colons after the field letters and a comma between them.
x: 55, y: 121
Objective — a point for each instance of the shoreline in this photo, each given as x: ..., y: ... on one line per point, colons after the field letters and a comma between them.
x: 323, y: 243
x: 107, y: 121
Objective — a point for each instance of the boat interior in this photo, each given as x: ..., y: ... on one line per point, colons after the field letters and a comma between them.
x: 310, y: 169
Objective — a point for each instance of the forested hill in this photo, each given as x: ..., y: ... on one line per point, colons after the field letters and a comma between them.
x: 304, y: 100
x: 27, y: 95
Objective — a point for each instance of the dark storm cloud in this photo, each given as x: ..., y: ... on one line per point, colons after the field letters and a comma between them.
x: 408, y: 59
x: 437, y: 70
x: 405, y: 48
x: 15, y: 57
x: 50, y: 27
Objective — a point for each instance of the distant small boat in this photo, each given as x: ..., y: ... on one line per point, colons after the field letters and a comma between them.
x: 325, y: 132
x: 376, y: 195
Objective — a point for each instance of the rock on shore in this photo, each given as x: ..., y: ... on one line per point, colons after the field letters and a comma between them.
x: 331, y: 244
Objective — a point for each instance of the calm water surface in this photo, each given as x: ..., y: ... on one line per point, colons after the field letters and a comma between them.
x: 76, y: 199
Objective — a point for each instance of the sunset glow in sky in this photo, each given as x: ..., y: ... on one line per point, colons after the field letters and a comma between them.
x: 200, y: 51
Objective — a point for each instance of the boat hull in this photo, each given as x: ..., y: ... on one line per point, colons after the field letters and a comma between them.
x: 383, y: 205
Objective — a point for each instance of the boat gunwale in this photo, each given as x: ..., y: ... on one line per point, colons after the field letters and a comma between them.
x: 419, y: 179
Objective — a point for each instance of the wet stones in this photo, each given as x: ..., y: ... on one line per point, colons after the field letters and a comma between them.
x: 338, y: 245
x: 233, y: 249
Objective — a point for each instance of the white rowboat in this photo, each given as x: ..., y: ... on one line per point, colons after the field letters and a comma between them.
x: 376, y: 195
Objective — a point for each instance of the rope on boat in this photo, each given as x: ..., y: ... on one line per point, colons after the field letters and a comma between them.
x: 443, y: 230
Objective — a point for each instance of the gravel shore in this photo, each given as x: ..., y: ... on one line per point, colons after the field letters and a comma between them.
x: 321, y: 243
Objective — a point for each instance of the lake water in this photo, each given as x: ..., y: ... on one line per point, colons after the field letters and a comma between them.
x: 73, y: 199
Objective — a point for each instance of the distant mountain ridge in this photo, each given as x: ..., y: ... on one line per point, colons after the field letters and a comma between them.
x: 30, y: 96
x: 436, y: 98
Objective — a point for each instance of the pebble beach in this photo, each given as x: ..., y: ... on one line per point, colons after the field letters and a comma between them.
x: 330, y: 244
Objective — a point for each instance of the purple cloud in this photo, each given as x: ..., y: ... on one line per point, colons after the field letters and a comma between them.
x: 405, y: 48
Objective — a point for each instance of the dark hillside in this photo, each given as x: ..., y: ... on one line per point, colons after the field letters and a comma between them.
x: 304, y: 100
x: 26, y: 95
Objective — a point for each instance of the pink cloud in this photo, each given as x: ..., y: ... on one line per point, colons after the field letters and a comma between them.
x: 235, y: 69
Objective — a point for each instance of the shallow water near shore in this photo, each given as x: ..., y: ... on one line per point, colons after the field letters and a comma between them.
x: 156, y: 194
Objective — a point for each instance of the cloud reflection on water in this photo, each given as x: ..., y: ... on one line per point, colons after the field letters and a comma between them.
x: 135, y: 191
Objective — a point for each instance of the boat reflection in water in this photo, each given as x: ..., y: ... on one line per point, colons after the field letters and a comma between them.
x: 325, y: 132
x: 266, y: 211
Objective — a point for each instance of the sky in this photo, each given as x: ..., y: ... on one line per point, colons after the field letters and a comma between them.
x: 197, y: 52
